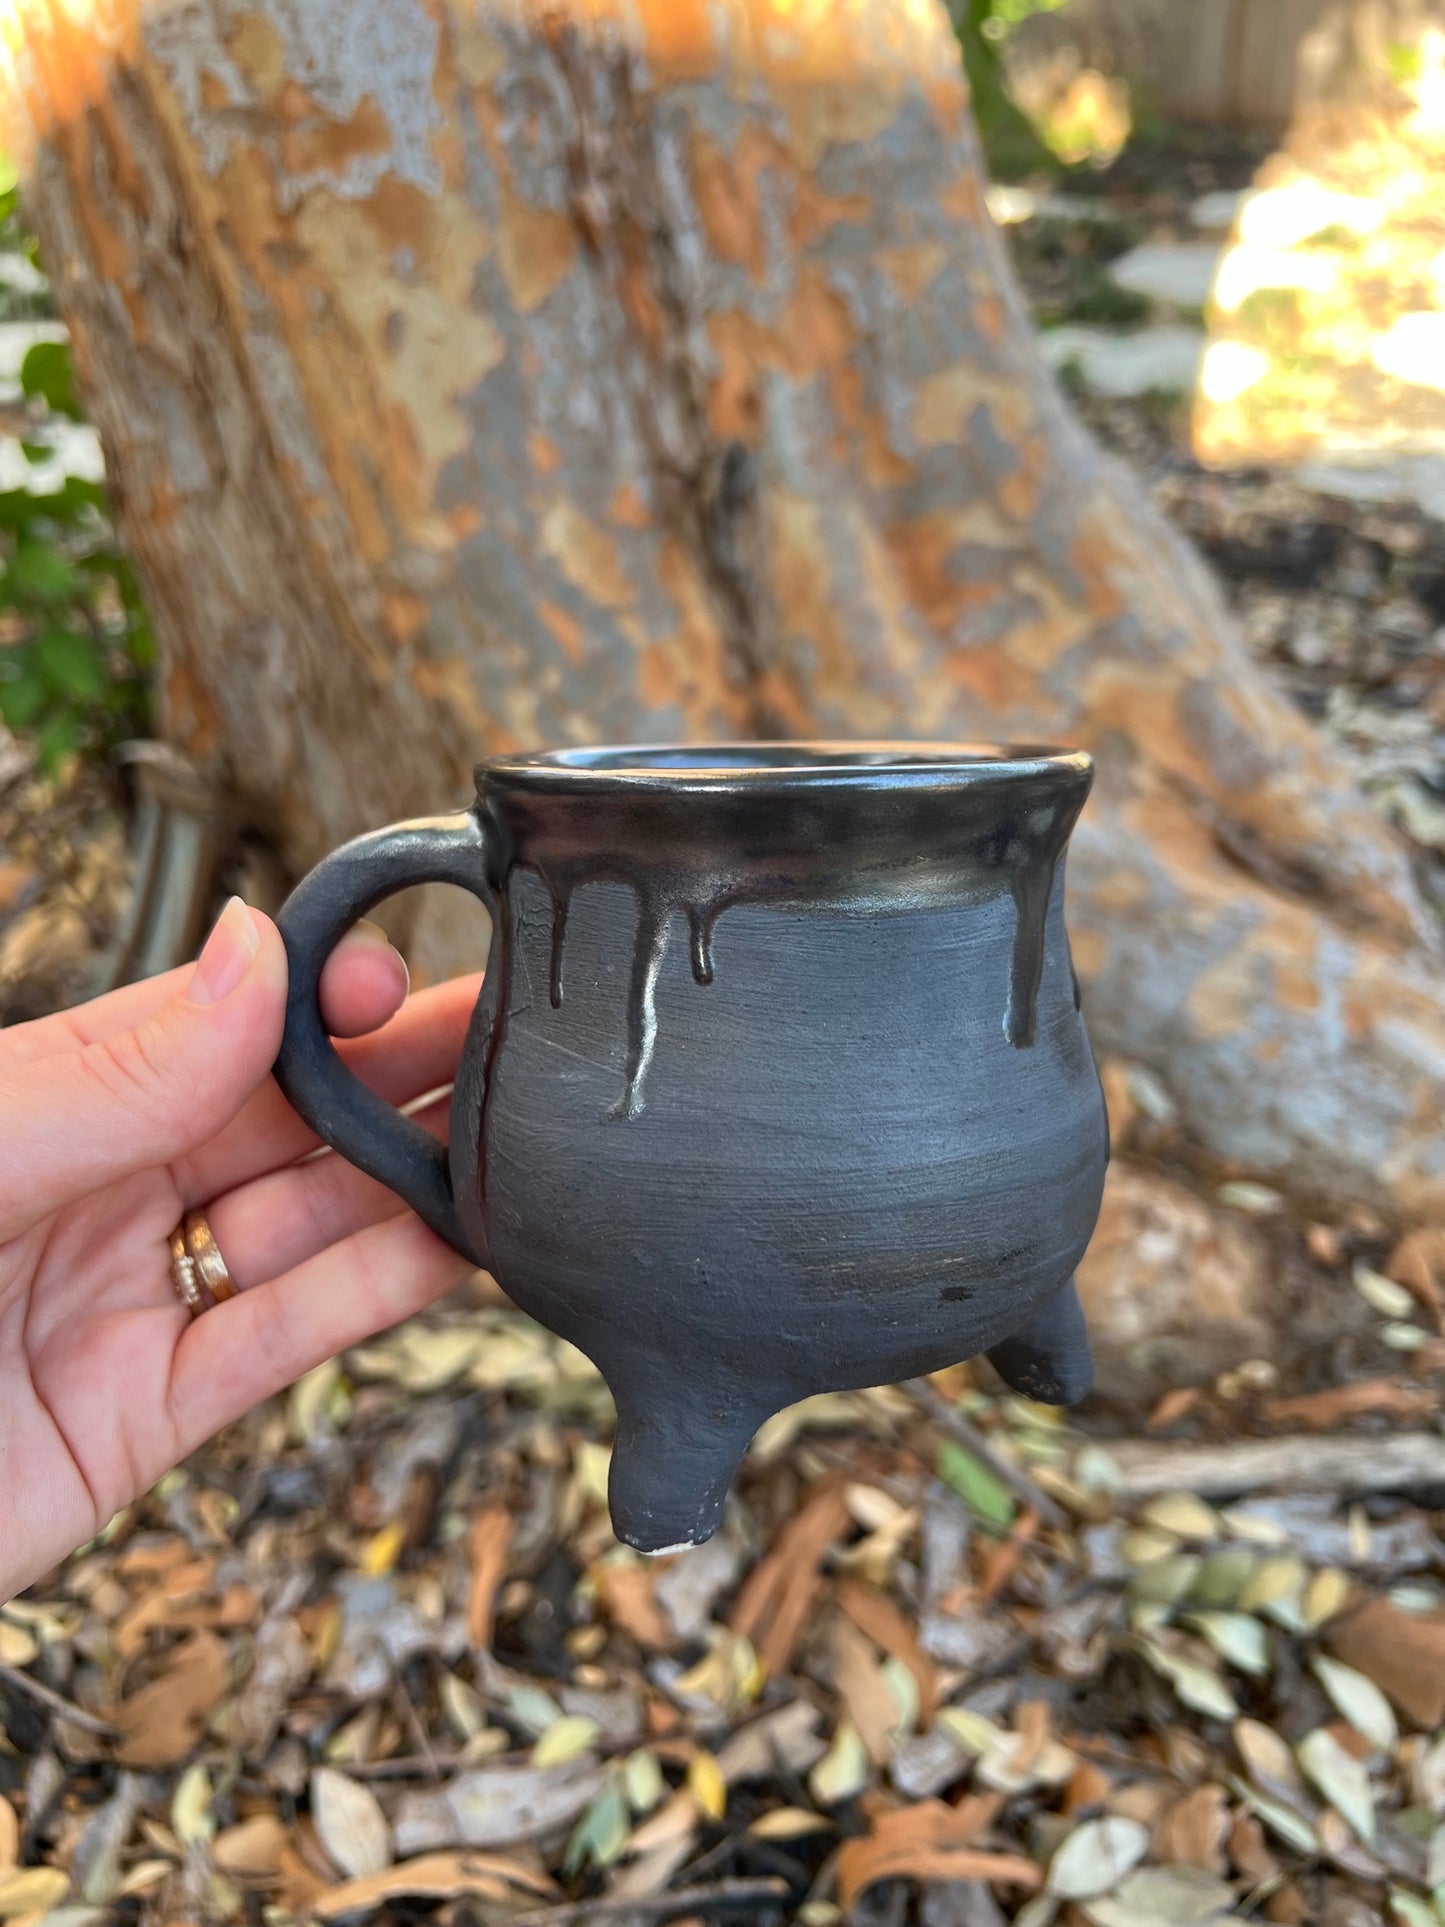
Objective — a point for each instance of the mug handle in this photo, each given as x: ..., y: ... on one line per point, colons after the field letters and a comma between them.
x: 364, y: 1128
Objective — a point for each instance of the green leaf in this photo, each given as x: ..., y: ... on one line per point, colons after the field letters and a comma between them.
x: 21, y: 700
x: 603, y: 1831
x: 40, y: 573
x: 72, y: 664
x: 55, y: 740
x: 974, y: 1483
x: 46, y: 372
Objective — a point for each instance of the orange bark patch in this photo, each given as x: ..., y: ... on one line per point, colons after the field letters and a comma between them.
x: 628, y: 509
x: 725, y: 188
x: 535, y: 247
x: 259, y: 51
x: 404, y: 614
x: 567, y: 629
x: 734, y: 406
x: 678, y: 38
x: 314, y: 144
x: 587, y: 555
x: 912, y: 270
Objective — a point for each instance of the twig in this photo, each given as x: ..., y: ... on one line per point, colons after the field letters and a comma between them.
x: 684, y: 1900
x: 1409, y: 1459
x: 23, y: 1683
x: 969, y: 1436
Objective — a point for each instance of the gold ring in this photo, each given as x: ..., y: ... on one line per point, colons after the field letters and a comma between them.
x: 183, y: 1274
x: 205, y: 1255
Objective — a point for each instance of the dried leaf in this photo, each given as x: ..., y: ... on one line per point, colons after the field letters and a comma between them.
x: 1402, y: 1652
x: 1195, y: 1684
x: 1164, y: 1897
x: 863, y: 1690
x: 706, y: 1785
x: 488, y: 1543
x: 1341, y: 1779
x: 310, y: 1398
x: 17, y: 1645
x: 31, y: 1890
x: 1322, y: 1410
x: 1193, y: 1831
x: 844, y: 1769
x: 624, y: 1590
x: 1182, y: 1514
x: 1095, y: 1857
x: 252, y: 1849
x: 1380, y: 1293
x: 162, y: 1722
x: 602, y: 1833
x: 928, y: 1841
x: 788, y: 1823
x: 1358, y: 1699
x: 981, y: 1490
x: 565, y: 1739
x: 191, y: 1815
x: 1238, y: 1639
x: 493, y: 1806
x: 642, y: 1778
x: 773, y: 1603
x: 435, y: 1876
x: 9, y: 1836
x: 350, y: 1824
x: 877, y: 1616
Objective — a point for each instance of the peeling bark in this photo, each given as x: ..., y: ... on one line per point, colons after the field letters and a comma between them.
x: 479, y: 374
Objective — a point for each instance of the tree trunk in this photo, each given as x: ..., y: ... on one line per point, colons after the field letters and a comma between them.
x: 478, y: 374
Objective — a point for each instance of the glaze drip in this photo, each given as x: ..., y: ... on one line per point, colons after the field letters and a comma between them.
x: 866, y: 850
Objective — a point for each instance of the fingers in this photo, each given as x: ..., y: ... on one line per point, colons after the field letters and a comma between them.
x: 288, y: 1216
x: 363, y: 984
x: 257, y: 1344
x: 415, y: 1053
x: 79, y: 1120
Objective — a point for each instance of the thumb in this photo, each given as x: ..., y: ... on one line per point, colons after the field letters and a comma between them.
x: 85, y: 1118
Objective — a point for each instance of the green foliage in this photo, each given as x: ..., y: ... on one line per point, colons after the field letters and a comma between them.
x: 75, y: 647
x: 1012, y: 147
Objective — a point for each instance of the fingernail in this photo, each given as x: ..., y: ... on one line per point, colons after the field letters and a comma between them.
x: 226, y: 956
x: 372, y: 932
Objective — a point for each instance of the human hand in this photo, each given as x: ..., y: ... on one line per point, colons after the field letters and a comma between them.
x: 115, y: 1119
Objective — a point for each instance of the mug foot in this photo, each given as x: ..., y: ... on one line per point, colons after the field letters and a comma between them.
x: 1048, y: 1358
x: 672, y: 1468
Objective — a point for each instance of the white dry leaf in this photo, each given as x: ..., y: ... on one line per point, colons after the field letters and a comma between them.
x: 350, y: 1824
x: 565, y: 1740
x: 191, y: 1816
x: 1041, y: 1911
x: 1382, y: 1294
x: 492, y: 1807
x: 642, y: 1781
x: 1164, y: 1897
x: 1358, y: 1699
x: 1435, y: 1859
x: 1340, y: 1779
x: 31, y: 1890
x: 1283, y: 1821
x: 1095, y: 1857
x: 1429, y: 1776
x: 532, y: 1709
x: 844, y: 1769
x: 1239, y: 1639
x: 1413, y: 1911
x: 1197, y: 1687
x: 462, y: 1705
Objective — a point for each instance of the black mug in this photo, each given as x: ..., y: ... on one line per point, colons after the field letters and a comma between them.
x: 777, y: 1083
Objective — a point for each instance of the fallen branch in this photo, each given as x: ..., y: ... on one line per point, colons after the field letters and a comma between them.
x: 685, y: 1900
x: 46, y: 1696
x: 1398, y: 1464
x: 969, y: 1436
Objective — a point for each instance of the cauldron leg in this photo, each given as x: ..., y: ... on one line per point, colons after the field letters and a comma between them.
x: 672, y: 1464
x: 1048, y: 1358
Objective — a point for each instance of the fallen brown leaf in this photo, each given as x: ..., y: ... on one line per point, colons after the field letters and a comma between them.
x: 1193, y: 1831
x: 862, y: 1689
x: 488, y: 1543
x: 252, y: 1849
x: 927, y: 1841
x: 162, y: 1722
x: 1402, y: 1652
x: 435, y: 1876
x: 1337, y: 1402
x: 9, y: 1836
x: 772, y: 1606
x: 625, y: 1593
x: 1418, y: 1262
x: 875, y: 1614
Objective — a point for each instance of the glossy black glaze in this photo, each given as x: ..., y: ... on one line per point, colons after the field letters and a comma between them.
x: 777, y: 1084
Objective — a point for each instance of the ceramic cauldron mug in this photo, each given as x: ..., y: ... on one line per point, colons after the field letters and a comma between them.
x: 777, y: 1083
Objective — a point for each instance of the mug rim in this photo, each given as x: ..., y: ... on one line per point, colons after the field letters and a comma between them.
x: 786, y: 764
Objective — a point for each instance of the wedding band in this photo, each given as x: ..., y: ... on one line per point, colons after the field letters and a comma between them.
x: 205, y: 1255
x: 183, y: 1274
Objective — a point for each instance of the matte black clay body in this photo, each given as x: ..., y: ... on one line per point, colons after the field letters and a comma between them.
x: 778, y: 1082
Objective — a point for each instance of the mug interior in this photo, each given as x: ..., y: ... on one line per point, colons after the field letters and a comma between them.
x: 787, y: 763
